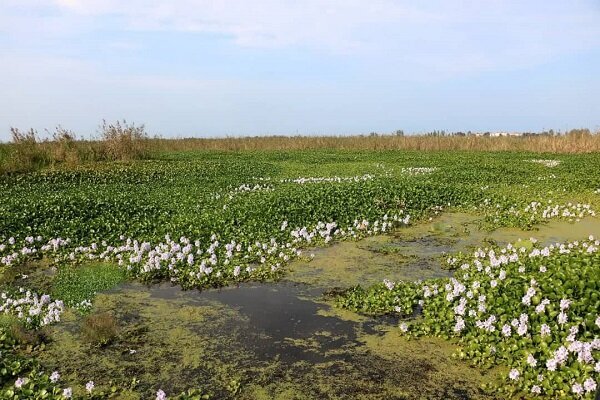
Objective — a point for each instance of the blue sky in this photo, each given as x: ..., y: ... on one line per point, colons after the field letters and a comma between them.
x: 215, y: 68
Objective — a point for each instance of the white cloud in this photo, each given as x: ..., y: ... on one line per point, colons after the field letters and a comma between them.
x: 439, y: 36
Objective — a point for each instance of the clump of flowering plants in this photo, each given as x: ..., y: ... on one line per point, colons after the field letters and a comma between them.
x: 535, y: 311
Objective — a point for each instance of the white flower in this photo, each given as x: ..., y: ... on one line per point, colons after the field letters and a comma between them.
x: 545, y: 330
x: 68, y: 392
x: 404, y: 327
x: 460, y: 324
x: 20, y: 382
x: 160, y: 395
x: 389, y: 284
x: 514, y: 374
x: 89, y: 386
x: 531, y: 360
x: 536, y: 389
x: 562, y: 318
x: 577, y: 388
x: 564, y: 304
x: 54, y: 377
x: 590, y: 385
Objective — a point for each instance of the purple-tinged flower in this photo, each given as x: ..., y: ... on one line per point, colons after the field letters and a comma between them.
x: 545, y: 330
x: 590, y: 385
x: 389, y: 284
x: 514, y: 374
x: 160, y: 395
x: 89, y: 386
x: 577, y: 388
x: 54, y: 377
x: 536, y: 389
x: 20, y: 382
x: 67, y: 393
x: 562, y: 318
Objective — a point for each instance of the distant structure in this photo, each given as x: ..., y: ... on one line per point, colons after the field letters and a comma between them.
x: 498, y: 134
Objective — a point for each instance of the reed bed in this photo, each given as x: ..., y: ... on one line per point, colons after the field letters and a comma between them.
x: 123, y: 142
x: 537, y: 144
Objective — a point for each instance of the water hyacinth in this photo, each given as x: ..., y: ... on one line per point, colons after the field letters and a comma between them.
x: 225, y: 230
x: 32, y: 309
x: 546, y: 163
x: 544, y: 326
x: 188, y: 263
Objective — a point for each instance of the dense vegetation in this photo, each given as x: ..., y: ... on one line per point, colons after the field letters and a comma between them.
x: 208, y: 219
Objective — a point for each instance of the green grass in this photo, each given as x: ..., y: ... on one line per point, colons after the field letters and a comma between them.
x: 76, y: 284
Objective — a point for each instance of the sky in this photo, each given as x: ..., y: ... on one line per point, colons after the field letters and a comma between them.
x: 209, y: 68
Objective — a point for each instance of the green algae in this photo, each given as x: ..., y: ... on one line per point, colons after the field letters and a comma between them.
x: 217, y: 342
x: 389, y: 343
x: 161, y: 344
x: 419, y: 251
x: 36, y: 275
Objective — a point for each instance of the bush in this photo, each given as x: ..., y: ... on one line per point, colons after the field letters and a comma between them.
x: 65, y: 148
x: 123, y: 141
x: 99, y: 329
x: 27, y: 152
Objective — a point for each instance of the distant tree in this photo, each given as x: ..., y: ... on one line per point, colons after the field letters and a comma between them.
x: 579, y: 132
x: 399, y: 132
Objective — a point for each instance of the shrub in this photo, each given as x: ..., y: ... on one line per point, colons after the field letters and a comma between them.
x: 27, y: 152
x: 65, y: 148
x: 123, y: 141
x: 99, y: 329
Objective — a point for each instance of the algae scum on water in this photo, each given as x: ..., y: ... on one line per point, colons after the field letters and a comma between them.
x: 283, y: 340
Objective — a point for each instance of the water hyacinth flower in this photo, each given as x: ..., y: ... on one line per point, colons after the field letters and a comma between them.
x: 389, y: 284
x: 514, y: 374
x: 545, y: 330
x: 20, y: 382
x: 562, y: 318
x: 89, y: 387
x: 460, y: 324
x: 160, y: 395
x: 67, y: 393
x: 590, y: 385
x: 54, y: 377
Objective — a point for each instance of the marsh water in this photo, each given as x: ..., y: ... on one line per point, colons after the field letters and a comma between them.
x: 284, y: 340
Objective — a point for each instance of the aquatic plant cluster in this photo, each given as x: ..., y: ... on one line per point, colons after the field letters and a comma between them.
x: 212, y: 220
x: 535, y: 212
x: 533, y: 309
